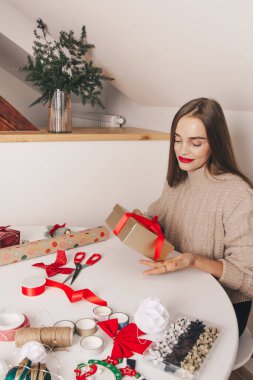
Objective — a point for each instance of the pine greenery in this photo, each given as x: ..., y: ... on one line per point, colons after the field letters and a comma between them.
x: 61, y: 65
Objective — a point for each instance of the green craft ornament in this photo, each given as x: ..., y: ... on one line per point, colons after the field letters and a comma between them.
x: 26, y: 371
x: 105, y: 370
x: 112, y: 368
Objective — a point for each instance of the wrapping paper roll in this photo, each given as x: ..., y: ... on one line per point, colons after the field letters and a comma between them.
x: 46, y: 246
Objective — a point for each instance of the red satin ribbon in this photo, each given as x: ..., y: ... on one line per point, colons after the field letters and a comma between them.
x: 55, y: 268
x: 125, y: 341
x: 55, y: 227
x: 33, y: 292
x: 151, y: 225
x: 73, y: 295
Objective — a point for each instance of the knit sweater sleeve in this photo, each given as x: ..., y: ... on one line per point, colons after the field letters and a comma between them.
x: 238, y: 241
x: 158, y: 207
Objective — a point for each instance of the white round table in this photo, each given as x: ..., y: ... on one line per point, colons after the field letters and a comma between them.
x: 118, y: 278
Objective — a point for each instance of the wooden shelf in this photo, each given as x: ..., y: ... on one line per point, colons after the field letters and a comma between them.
x: 85, y: 134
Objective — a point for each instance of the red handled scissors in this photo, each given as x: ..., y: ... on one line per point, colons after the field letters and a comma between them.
x: 79, y: 257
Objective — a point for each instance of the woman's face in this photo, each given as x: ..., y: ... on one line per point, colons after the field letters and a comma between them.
x: 191, y: 146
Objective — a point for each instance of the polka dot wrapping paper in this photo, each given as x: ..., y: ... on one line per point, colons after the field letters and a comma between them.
x: 184, y: 347
x: 43, y: 247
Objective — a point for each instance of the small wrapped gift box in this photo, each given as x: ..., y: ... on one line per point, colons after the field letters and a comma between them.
x: 9, y: 237
x: 43, y: 247
x: 139, y: 233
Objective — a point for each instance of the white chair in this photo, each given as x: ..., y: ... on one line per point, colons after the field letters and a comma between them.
x: 245, y: 349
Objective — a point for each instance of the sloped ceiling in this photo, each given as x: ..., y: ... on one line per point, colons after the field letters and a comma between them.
x: 161, y: 52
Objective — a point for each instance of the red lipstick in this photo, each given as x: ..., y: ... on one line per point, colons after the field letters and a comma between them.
x: 185, y: 160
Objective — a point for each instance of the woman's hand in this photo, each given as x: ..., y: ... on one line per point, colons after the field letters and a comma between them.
x: 185, y: 260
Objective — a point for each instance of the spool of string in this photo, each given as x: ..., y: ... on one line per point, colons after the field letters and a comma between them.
x: 26, y: 371
x: 53, y: 337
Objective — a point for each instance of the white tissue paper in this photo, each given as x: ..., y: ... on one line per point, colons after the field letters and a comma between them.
x: 151, y: 316
x: 3, y: 369
x: 33, y: 351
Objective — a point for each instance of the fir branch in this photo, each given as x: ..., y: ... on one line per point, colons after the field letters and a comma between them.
x: 61, y: 65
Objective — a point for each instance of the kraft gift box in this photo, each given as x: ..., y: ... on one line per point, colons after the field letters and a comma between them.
x: 46, y: 246
x: 136, y: 235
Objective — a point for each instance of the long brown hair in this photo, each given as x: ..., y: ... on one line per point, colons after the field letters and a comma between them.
x: 222, y: 159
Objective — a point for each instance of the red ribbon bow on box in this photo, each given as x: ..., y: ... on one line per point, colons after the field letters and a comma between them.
x: 126, y: 341
x: 55, y: 268
x: 151, y: 225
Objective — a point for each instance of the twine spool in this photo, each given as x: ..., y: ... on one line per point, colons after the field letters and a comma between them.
x: 53, y: 337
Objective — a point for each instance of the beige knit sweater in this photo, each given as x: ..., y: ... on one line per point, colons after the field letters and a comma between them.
x: 212, y: 217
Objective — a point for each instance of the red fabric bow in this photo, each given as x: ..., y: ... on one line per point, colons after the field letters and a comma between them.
x: 3, y: 229
x: 126, y: 341
x: 151, y: 225
x: 56, y: 227
x: 55, y: 268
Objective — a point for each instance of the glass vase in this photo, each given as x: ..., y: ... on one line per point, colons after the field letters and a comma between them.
x: 60, y: 113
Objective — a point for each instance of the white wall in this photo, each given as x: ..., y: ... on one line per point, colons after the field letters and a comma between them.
x: 21, y: 96
x: 160, y: 52
x: 240, y: 124
x: 78, y: 182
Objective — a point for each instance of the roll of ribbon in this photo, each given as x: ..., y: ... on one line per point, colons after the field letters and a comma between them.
x: 123, y: 319
x: 9, y: 321
x: 101, y: 313
x: 85, y: 327
x: 92, y: 344
x: 65, y: 323
x: 33, y: 286
x: 16, y: 322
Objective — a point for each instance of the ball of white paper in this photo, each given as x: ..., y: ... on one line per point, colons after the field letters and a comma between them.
x: 3, y: 369
x: 33, y: 351
x: 151, y: 316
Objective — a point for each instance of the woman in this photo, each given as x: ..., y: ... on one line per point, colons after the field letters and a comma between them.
x: 206, y: 207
